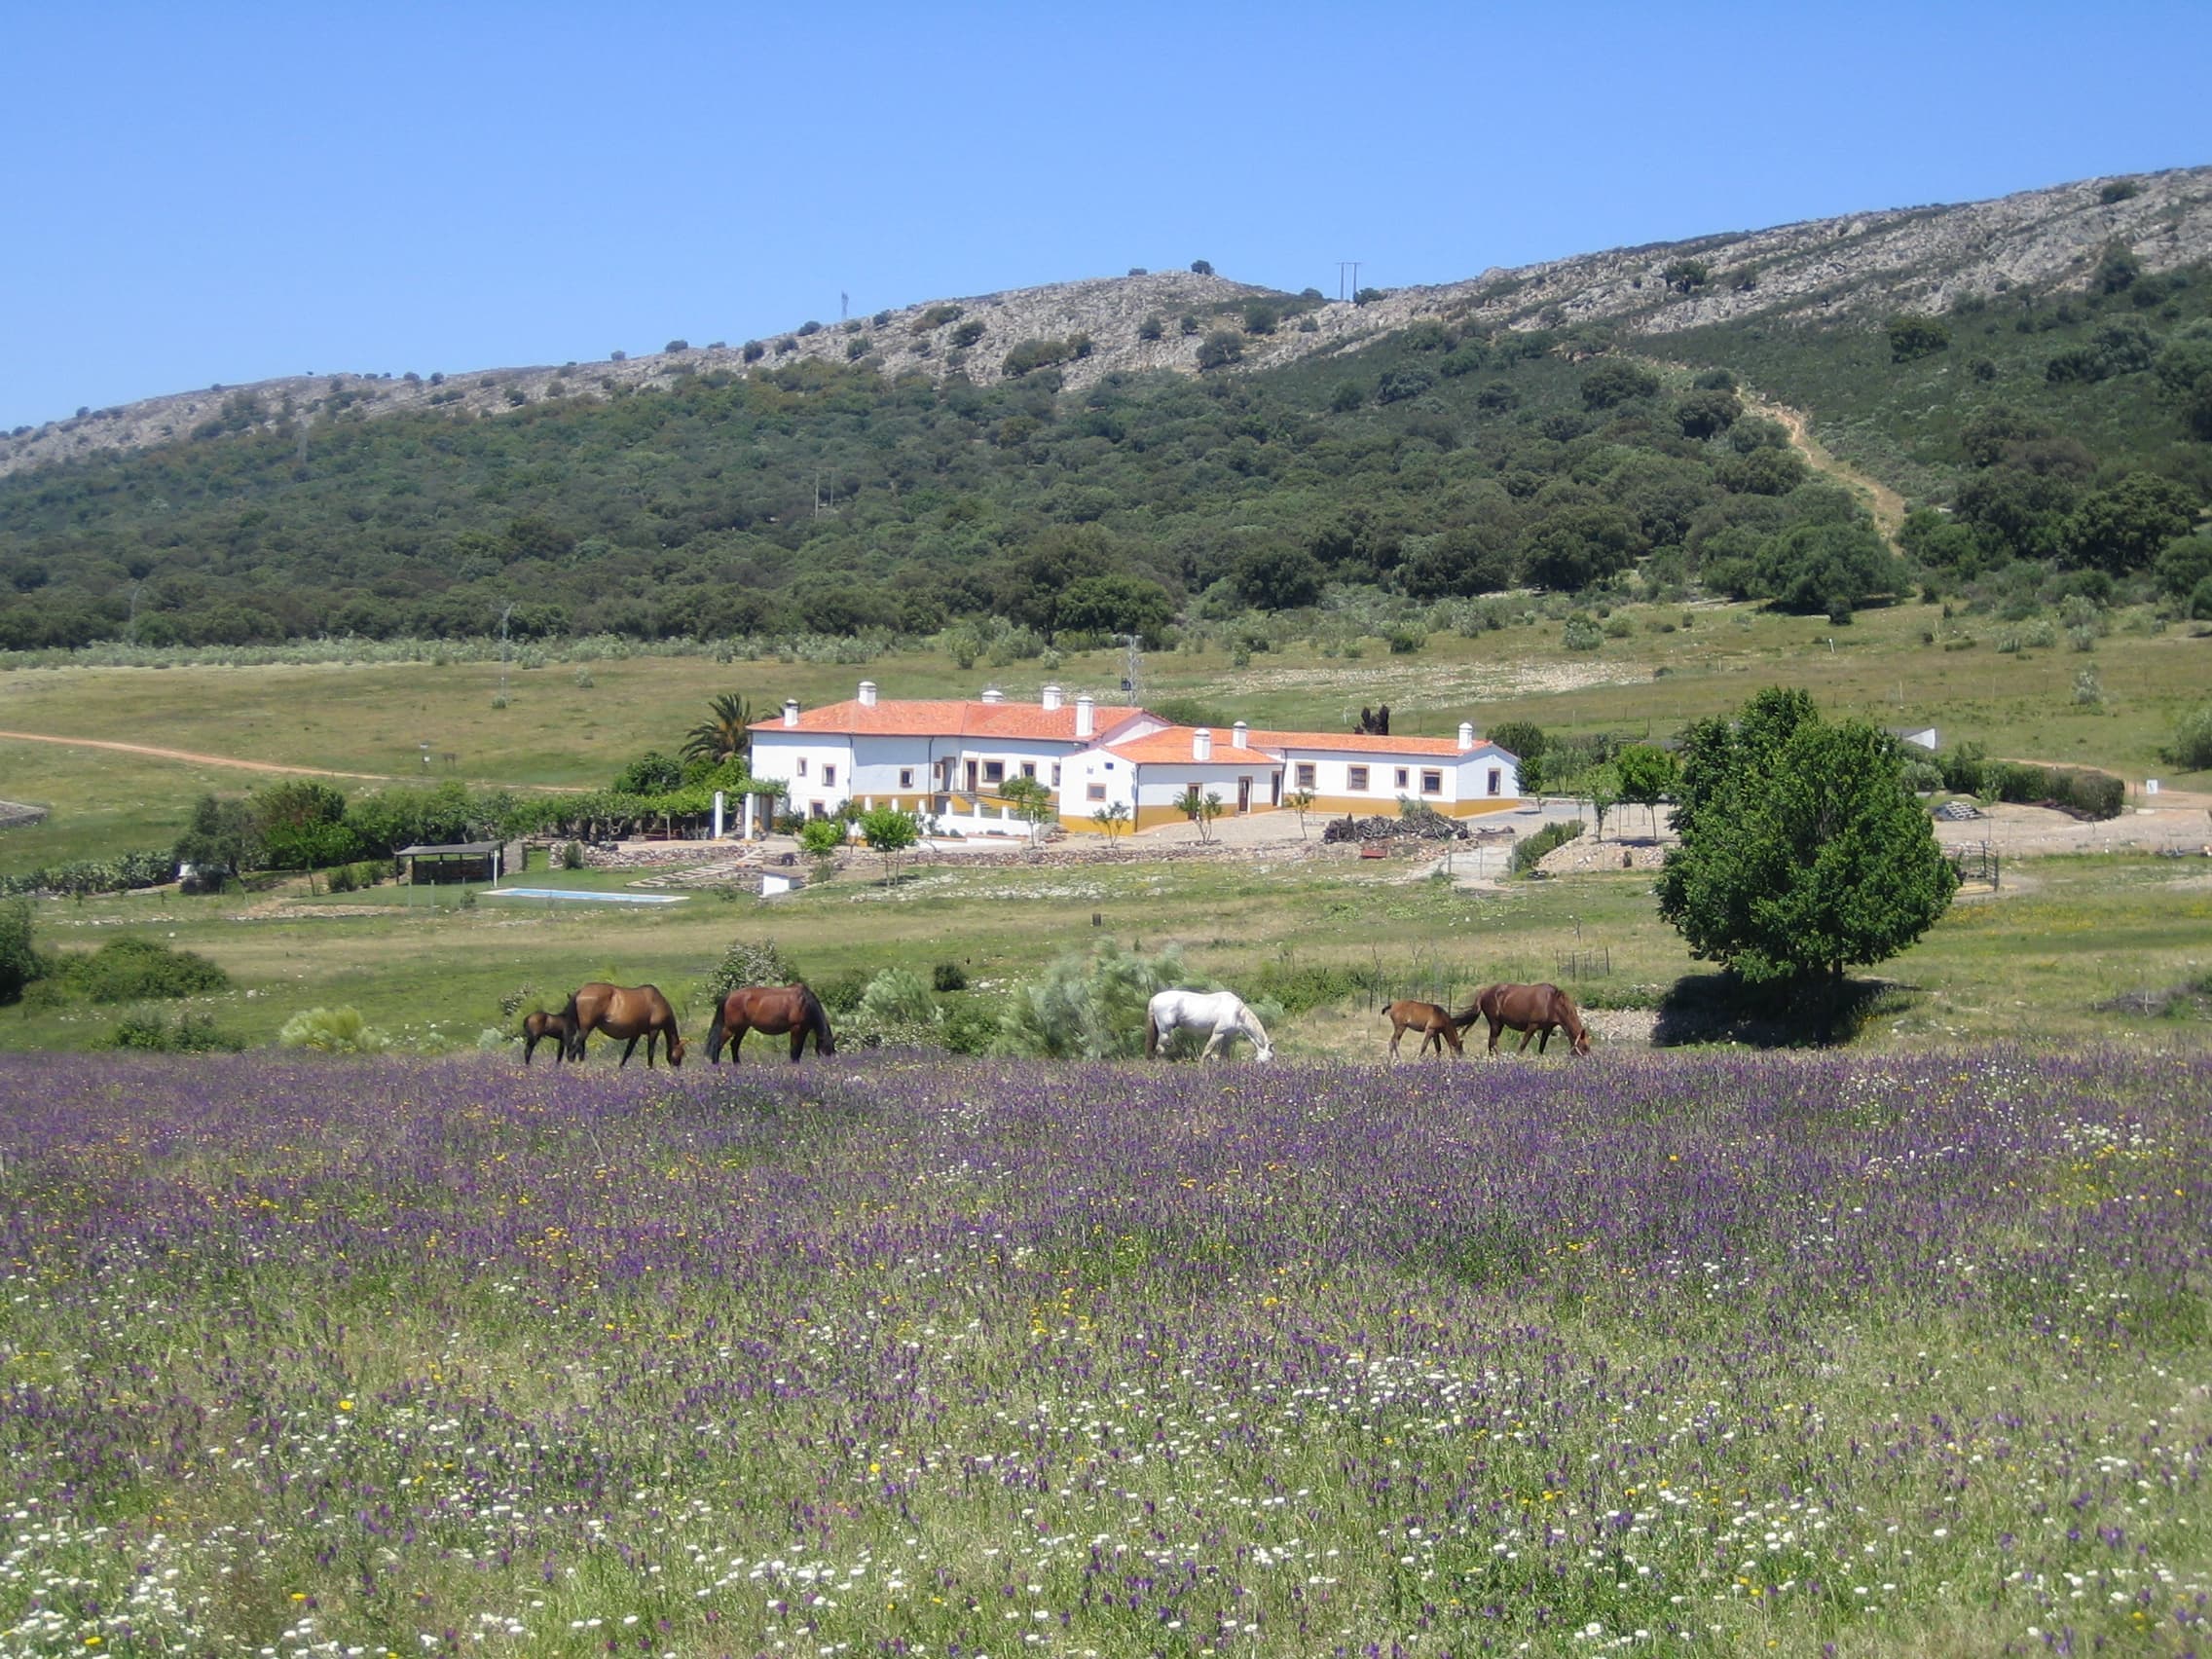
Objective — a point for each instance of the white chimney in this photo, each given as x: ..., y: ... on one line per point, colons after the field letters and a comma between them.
x: 867, y: 693
x: 1201, y: 743
x: 790, y: 711
x: 1052, y: 698
x: 992, y: 694
x: 1240, y: 736
x: 1086, y: 722
x: 1467, y: 736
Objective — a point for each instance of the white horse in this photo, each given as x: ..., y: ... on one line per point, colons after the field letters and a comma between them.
x: 1220, y: 1015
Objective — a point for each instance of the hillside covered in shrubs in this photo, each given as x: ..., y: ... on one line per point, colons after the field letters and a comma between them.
x: 2051, y: 442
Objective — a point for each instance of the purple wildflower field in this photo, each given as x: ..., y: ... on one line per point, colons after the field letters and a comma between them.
x: 1806, y: 1354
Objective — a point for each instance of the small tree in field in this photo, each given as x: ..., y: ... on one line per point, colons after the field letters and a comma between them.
x: 1648, y: 777
x: 1200, y: 809
x: 821, y: 837
x: 1112, y: 820
x: 1300, y: 802
x: 890, y: 832
x: 1032, y: 803
x: 1605, y: 790
x: 1804, y: 851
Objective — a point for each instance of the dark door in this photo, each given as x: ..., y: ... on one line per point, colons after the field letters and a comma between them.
x: 1243, y: 794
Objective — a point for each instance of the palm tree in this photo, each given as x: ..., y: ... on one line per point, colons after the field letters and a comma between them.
x: 723, y: 734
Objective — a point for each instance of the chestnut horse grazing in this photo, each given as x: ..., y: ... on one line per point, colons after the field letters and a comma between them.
x: 623, y: 1011
x: 1534, y: 1011
x: 537, y: 1028
x: 1434, y: 1024
x: 773, y: 1009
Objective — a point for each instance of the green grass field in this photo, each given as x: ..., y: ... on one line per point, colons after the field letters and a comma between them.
x: 2029, y: 963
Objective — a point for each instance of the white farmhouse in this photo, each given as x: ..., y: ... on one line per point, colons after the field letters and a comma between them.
x: 934, y: 756
x: 956, y: 755
x: 1256, y: 770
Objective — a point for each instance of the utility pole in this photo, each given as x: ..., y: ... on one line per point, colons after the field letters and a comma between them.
x: 503, y: 615
x: 844, y: 305
x: 1131, y: 677
x: 1348, y: 290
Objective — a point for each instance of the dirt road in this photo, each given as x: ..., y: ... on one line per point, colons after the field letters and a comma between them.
x: 192, y: 757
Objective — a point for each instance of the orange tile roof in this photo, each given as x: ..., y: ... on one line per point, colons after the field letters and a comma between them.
x: 1174, y: 744
x: 950, y: 717
x: 1359, y: 742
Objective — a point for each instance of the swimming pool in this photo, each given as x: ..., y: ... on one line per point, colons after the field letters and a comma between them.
x: 586, y: 896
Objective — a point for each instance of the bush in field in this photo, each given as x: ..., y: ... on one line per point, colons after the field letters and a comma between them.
x: 19, y: 956
x: 898, y: 996
x: 1530, y: 852
x: 2191, y: 750
x: 749, y: 962
x: 948, y: 976
x: 332, y: 1031
x: 153, y: 1031
x: 137, y: 970
x: 1090, y: 1005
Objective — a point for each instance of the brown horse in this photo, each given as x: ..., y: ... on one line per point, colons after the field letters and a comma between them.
x: 773, y: 1009
x: 1534, y: 1011
x: 623, y: 1011
x: 1433, y: 1022
x: 537, y: 1028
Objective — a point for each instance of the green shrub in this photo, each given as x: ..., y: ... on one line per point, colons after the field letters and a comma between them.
x: 2191, y: 749
x: 1302, y: 988
x: 19, y: 956
x: 332, y: 1031
x: 749, y: 962
x: 1090, y: 1005
x: 898, y: 996
x: 137, y: 970
x: 1581, y: 633
x: 842, y: 994
x: 572, y: 854
x: 948, y: 976
x: 1529, y: 853
x: 153, y: 1031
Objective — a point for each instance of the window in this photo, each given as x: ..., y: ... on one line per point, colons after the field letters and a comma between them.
x: 994, y: 772
x: 802, y: 765
x: 1094, y: 791
x: 1355, y: 777
x: 1029, y: 768
x: 1496, y: 779
x: 829, y: 777
x: 1431, y: 783
x: 1306, y: 774
x: 1056, y: 774
x: 1399, y: 782
x: 906, y: 777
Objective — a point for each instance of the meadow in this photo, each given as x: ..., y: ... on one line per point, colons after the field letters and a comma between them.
x: 1791, y: 1354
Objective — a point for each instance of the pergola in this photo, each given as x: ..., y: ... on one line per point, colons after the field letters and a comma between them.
x: 457, y: 861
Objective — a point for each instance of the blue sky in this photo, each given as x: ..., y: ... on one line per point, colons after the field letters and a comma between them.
x: 219, y: 192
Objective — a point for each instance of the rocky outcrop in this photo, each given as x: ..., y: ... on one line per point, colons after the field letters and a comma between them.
x: 1863, y: 265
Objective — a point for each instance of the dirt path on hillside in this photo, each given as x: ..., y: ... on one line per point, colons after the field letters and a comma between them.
x: 1888, y: 504
x: 192, y: 757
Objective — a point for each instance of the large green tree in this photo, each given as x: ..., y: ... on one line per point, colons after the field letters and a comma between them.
x: 1802, y: 851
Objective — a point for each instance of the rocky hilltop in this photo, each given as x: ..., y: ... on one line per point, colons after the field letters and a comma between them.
x: 1861, y: 267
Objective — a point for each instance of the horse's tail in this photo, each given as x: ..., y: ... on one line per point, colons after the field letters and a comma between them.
x: 1472, y: 1012
x: 718, y: 1032
x: 572, y: 1038
x: 818, y: 1021
x: 1151, y: 1034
